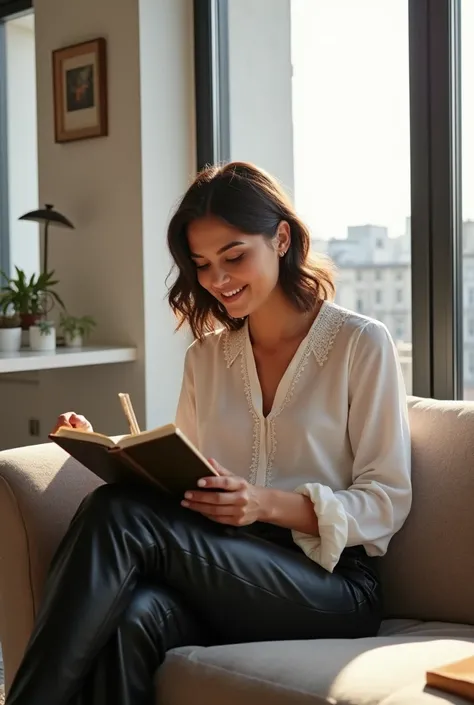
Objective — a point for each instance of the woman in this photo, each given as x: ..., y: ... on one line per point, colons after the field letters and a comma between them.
x: 301, y: 406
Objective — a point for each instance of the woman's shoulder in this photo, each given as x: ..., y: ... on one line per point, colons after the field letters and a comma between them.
x: 355, y: 332
x: 353, y: 322
x: 334, y: 318
x: 206, y: 349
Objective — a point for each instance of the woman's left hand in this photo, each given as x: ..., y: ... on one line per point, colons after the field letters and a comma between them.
x: 239, y: 504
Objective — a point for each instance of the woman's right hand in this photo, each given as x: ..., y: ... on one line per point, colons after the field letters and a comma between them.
x: 72, y: 420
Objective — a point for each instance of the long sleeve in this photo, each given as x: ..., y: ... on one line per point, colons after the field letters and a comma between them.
x: 378, y: 501
x: 186, y: 411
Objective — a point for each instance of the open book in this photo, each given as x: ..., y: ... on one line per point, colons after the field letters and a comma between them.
x: 163, y: 457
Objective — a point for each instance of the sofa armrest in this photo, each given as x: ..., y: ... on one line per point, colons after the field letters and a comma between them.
x: 40, y: 489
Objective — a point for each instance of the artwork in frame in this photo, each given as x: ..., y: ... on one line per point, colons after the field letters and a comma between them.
x: 80, y: 91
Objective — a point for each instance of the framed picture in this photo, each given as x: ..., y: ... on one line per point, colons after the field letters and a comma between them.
x: 80, y: 91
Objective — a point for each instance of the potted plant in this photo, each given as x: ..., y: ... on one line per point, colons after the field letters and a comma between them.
x: 43, y: 336
x: 10, y: 329
x: 29, y: 296
x: 76, y: 329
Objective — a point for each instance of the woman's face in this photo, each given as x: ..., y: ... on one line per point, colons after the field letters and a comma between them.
x: 240, y: 271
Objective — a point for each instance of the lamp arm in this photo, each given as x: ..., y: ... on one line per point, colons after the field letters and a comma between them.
x: 45, y: 247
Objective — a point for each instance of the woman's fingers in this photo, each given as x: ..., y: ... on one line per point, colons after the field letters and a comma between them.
x: 215, y: 498
x: 62, y: 420
x: 80, y: 422
x: 72, y: 420
x: 224, y: 513
x: 211, y: 509
x: 230, y: 483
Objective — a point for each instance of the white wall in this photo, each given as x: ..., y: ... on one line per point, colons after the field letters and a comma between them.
x: 118, y: 191
x: 168, y: 151
x: 260, y: 85
x: 22, y: 142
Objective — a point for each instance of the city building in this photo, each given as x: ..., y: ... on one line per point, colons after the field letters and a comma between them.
x: 374, y: 278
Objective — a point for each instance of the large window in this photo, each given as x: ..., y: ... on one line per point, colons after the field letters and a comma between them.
x: 355, y: 106
x: 351, y: 125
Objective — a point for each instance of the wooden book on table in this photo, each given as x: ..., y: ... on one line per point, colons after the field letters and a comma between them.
x: 163, y: 457
x: 456, y: 678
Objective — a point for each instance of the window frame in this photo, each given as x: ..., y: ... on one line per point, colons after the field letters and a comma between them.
x: 211, y: 78
x: 435, y: 168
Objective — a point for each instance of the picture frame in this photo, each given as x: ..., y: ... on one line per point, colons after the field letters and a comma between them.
x: 80, y: 91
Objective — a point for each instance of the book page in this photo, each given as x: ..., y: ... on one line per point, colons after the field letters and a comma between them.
x: 88, y: 436
x: 145, y: 436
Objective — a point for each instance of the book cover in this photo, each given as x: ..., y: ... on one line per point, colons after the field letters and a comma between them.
x: 163, y: 457
x: 456, y: 678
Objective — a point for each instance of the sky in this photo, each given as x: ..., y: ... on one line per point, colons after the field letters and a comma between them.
x: 351, y: 113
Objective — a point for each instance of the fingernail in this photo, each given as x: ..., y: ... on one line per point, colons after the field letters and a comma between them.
x: 188, y: 495
x: 185, y: 504
x: 201, y: 483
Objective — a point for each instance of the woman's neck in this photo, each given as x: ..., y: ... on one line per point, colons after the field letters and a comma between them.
x: 278, y: 321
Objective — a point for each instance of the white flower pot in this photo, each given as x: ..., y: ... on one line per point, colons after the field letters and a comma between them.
x: 42, y: 342
x: 10, y: 339
x: 73, y: 341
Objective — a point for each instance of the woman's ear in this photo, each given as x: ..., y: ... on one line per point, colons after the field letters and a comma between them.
x: 283, y: 238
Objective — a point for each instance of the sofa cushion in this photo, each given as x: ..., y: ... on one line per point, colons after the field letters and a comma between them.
x: 40, y: 489
x: 346, y: 672
x: 428, y: 572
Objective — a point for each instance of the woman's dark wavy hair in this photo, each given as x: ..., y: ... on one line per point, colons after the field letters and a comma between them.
x: 248, y: 199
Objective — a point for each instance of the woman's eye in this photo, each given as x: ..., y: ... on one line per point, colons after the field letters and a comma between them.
x: 235, y: 259
x: 229, y: 260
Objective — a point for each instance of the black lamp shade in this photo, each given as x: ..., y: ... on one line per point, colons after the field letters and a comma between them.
x: 48, y: 215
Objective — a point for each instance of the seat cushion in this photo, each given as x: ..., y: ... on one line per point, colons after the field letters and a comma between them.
x: 352, y: 672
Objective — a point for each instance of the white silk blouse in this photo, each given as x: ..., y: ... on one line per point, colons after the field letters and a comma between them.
x: 337, y: 432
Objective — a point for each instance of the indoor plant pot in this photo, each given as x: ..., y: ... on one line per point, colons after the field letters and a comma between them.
x: 29, y: 296
x: 43, y: 337
x: 73, y: 340
x: 76, y: 329
x: 10, y: 334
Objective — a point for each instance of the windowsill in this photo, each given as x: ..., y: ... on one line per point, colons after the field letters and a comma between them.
x: 28, y: 361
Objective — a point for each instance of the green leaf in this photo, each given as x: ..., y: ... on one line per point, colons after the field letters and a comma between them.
x: 57, y: 298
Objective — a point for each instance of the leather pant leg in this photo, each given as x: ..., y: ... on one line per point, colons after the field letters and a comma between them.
x: 241, y: 585
x: 123, y: 672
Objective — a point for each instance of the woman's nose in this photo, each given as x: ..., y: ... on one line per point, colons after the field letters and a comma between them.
x: 220, y: 278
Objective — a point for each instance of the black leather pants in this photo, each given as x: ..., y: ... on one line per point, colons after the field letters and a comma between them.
x: 136, y: 575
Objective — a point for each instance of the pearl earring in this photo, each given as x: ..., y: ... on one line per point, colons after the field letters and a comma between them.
x: 282, y: 254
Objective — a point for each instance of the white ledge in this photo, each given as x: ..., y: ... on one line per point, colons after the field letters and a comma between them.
x: 29, y: 361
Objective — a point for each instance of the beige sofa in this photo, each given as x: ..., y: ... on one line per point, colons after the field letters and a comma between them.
x: 428, y: 577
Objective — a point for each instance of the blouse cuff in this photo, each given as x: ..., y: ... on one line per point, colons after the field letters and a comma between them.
x: 326, y: 548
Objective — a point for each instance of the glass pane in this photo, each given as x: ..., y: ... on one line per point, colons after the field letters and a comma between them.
x: 467, y: 62
x: 352, y: 151
x: 319, y: 96
x: 22, y: 141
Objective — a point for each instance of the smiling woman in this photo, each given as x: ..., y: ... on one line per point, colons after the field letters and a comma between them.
x: 300, y: 408
x: 234, y: 235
